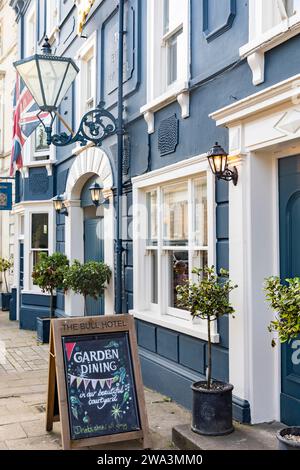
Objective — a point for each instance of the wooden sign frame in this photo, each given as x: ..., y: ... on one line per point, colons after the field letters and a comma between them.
x: 57, y: 402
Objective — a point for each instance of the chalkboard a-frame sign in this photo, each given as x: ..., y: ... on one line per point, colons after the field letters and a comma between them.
x: 95, y: 387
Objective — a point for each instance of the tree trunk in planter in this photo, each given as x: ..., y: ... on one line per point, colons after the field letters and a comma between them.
x: 209, y: 362
x: 51, y: 305
x: 85, y: 306
x: 212, y: 401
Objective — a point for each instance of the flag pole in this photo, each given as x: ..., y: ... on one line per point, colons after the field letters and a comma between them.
x: 65, y: 123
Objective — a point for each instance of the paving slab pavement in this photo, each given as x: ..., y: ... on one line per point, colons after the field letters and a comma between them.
x: 244, y: 437
x: 23, y: 386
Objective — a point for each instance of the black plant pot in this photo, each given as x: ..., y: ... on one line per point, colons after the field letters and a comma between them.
x: 43, y: 330
x: 287, y: 444
x: 212, y: 409
x: 5, y: 299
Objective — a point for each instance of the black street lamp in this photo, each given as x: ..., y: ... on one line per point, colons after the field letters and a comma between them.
x: 48, y: 78
x: 218, y: 161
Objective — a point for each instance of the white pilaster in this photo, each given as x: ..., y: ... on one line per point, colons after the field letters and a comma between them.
x: 253, y: 245
x: 74, y: 304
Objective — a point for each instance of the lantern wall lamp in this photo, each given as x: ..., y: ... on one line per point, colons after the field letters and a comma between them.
x: 59, y: 205
x: 218, y: 161
x: 97, y: 196
x: 48, y: 78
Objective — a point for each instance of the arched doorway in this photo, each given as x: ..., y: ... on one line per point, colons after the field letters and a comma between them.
x: 87, y: 226
x: 93, y: 237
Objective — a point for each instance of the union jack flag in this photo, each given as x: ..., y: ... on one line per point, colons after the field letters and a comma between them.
x: 25, y: 122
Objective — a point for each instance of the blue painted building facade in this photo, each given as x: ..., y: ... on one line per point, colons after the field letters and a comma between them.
x: 212, y: 63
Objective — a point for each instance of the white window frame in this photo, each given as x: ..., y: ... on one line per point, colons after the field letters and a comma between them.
x: 88, y: 50
x: 2, y: 112
x: 261, y: 40
x: 52, y: 16
x: 30, y: 21
x: 1, y: 37
x: 29, y: 154
x: 26, y: 209
x: 160, y: 314
x: 37, y: 250
x: 159, y: 94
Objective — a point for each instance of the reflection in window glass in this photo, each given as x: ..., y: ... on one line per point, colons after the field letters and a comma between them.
x: 174, y: 51
x: 291, y: 7
x: 36, y: 256
x: 175, y: 223
x: 201, y: 212
x: 151, y: 201
x: 41, y: 140
x: 172, y: 15
x: 172, y: 251
x: 200, y: 261
x: 178, y: 274
x: 39, y: 234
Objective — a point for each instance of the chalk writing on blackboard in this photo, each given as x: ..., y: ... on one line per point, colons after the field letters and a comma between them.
x: 100, y: 385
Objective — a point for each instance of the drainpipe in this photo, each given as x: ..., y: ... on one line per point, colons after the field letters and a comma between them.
x: 119, y: 192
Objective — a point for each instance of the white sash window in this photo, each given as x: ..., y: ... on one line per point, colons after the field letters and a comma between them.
x: 271, y: 22
x: 173, y: 233
x: 168, y: 56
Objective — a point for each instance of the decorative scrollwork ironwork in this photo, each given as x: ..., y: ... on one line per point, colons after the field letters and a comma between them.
x: 95, y: 126
x: 229, y: 175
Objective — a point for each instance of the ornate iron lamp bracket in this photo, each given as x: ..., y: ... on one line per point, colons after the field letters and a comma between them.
x: 95, y: 126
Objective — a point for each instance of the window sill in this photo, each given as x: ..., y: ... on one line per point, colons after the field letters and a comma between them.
x: 34, y: 164
x: 255, y: 50
x: 35, y: 292
x: 176, y: 324
x: 179, y: 92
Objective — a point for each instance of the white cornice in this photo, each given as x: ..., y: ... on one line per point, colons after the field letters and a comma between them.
x: 282, y: 92
x: 197, y: 163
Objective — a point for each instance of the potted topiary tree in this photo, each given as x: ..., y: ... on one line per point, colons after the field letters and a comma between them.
x: 208, y: 299
x: 5, y: 265
x: 284, y: 298
x: 49, y: 274
x: 88, y: 279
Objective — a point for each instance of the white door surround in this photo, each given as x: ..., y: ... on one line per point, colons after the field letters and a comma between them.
x: 93, y: 161
x: 262, y: 128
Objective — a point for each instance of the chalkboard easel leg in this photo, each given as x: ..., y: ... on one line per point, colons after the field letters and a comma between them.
x: 147, y: 443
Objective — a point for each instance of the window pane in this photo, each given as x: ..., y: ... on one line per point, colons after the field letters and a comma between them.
x: 175, y: 223
x: 172, y: 60
x: 200, y: 261
x: 166, y: 15
x: 41, y: 139
x: 175, y: 50
x: 201, y: 212
x: 172, y: 14
x: 151, y: 199
x: 295, y: 7
x: 89, y: 78
x: 36, y: 256
x: 178, y: 274
x: 154, y: 277
x: 39, y: 232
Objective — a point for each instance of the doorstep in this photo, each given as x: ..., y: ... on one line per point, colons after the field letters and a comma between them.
x: 245, y: 437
